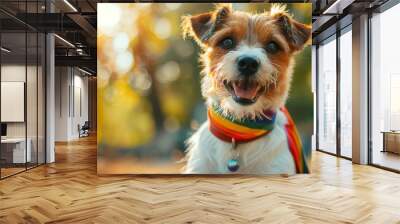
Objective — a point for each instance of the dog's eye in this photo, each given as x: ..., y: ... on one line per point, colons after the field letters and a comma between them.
x: 272, y: 47
x: 227, y: 43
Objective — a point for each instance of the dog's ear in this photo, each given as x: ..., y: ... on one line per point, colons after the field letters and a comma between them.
x: 297, y: 34
x: 201, y: 27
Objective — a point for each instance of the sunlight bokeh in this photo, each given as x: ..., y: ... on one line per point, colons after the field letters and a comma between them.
x: 149, y: 99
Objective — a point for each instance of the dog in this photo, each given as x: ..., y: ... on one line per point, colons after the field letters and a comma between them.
x: 247, y: 64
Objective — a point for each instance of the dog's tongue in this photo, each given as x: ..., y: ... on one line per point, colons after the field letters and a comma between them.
x: 245, y: 89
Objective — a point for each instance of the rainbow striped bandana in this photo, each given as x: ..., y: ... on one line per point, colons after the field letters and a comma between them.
x: 228, y: 129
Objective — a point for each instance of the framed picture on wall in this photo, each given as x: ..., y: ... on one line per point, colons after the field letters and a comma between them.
x: 12, y: 101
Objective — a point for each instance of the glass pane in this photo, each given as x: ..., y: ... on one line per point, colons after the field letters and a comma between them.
x: 385, y: 85
x: 32, y: 87
x: 23, y: 90
x: 327, y: 96
x: 41, y: 98
x: 346, y: 94
x: 13, y: 86
x: 31, y: 97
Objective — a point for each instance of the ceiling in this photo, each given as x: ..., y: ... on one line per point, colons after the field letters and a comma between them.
x: 332, y: 15
x: 75, y: 21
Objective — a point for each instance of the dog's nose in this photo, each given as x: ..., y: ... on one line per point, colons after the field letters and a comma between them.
x: 247, y: 65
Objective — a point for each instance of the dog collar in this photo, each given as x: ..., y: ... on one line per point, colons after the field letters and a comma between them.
x: 227, y: 128
x: 236, y: 131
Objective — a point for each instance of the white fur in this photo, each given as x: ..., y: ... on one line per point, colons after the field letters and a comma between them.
x: 269, y: 154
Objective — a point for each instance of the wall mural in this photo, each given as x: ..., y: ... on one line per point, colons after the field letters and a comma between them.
x: 204, y: 88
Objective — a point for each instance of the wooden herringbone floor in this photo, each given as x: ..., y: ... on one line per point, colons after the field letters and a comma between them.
x: 69, y: 191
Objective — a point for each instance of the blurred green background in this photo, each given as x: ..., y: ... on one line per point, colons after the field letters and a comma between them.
x: 149, y: 99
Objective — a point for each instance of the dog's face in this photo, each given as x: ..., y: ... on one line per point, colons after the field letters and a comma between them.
x: 247, y: 58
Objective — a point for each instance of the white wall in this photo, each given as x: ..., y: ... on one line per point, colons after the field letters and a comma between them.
x: 16, y: 73
x: 33, y: 126
x: 80, y: 100
x: 62, y: 81
x: 71, y: 94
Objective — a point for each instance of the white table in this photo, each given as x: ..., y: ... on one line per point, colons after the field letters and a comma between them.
x: 18, y: 144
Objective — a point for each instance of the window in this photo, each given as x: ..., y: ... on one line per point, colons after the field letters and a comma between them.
x: 22, y: 77
x: 346, y: 92
x: 327, y: 96
x: 385, y: 89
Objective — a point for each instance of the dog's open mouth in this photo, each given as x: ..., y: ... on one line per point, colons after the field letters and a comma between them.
x: 245, y: 91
